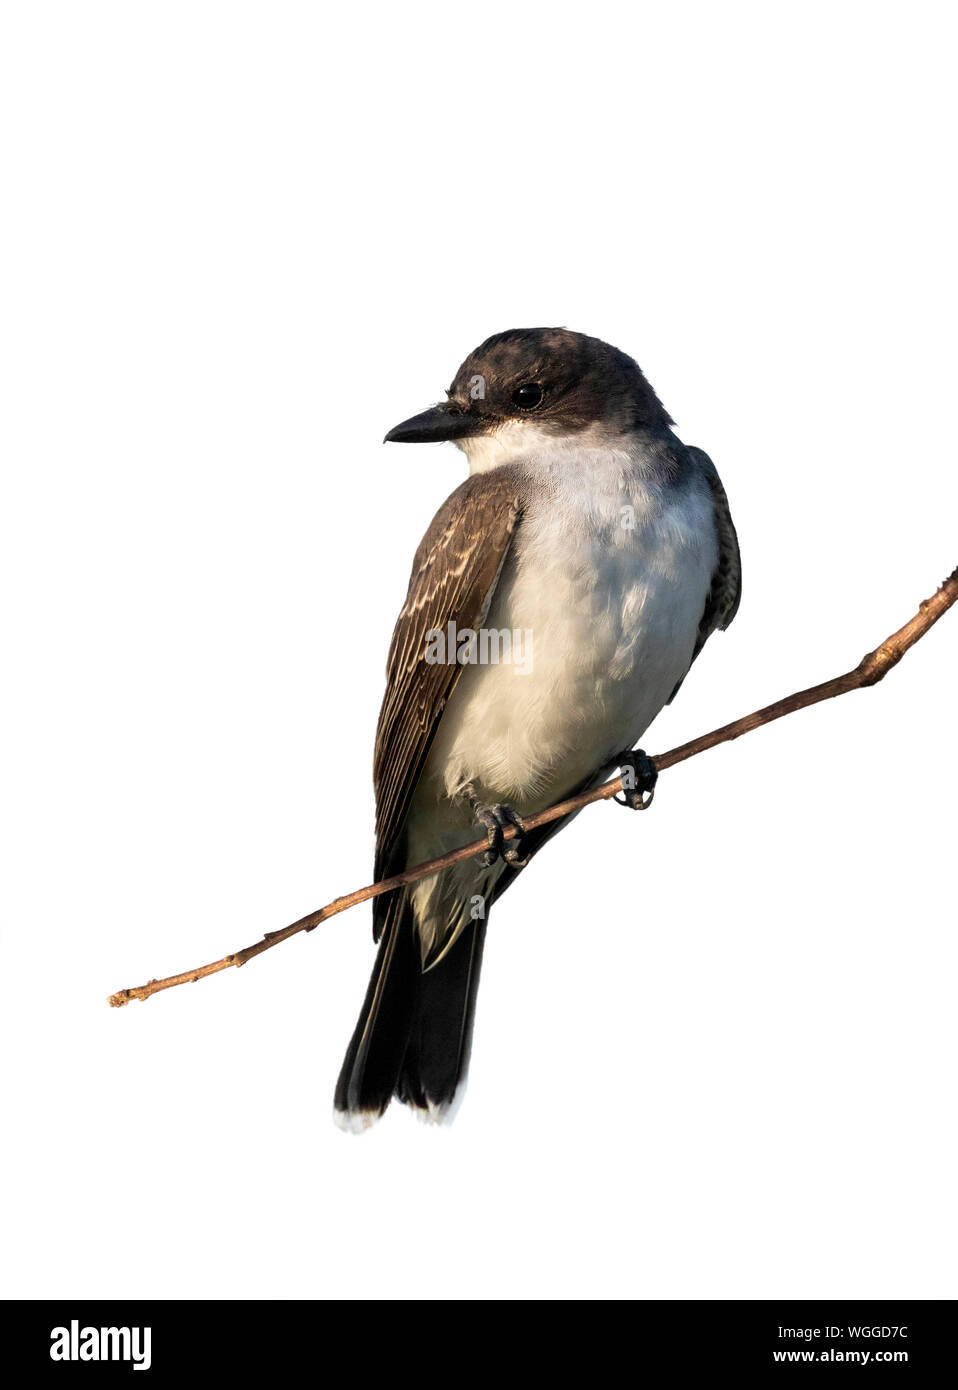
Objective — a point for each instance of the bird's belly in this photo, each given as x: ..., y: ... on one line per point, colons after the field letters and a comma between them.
x: 607, y: 631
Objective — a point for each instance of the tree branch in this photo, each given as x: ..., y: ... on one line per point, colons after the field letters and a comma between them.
x: 872, y: 668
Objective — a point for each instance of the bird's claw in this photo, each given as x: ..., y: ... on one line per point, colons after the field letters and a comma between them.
x: 639, y: 776
x: 495, y: 819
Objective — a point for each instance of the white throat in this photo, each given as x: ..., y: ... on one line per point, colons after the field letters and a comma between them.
x: 587, y: 467
x: 510, y: 440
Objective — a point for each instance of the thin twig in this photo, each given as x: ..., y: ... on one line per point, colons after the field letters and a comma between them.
x: 871, y: 669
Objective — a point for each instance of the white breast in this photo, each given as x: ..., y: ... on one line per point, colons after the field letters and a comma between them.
x: 610, y: 577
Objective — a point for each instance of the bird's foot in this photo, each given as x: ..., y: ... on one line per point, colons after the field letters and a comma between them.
x: 639, y: 776
x: 495, y: 819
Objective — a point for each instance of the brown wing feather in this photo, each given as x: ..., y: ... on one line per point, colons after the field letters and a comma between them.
x: 454, y: 576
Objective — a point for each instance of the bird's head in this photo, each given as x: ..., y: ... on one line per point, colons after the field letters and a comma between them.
x: 527, y: 385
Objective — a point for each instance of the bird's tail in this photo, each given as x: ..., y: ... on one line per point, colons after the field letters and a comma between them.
x: 414, y: 1032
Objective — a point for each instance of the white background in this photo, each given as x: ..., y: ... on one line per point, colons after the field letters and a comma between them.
x: 715, y: 1045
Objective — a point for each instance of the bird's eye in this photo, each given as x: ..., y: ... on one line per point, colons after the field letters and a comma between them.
x: 527, y: 397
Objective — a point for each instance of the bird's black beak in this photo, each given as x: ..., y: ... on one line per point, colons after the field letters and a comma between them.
x: 440, y: 422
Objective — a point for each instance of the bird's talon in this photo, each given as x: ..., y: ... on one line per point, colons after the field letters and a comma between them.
x: 513, y: 850
x: 495, y: 819
x: 639, y: 776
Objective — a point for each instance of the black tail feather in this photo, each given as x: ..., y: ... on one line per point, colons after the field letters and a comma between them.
x: 373, y: 1059
x: 440, y: 1041
x: 415, y: 1030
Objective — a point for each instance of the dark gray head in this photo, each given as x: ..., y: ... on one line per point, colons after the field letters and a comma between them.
x: 562, y: 381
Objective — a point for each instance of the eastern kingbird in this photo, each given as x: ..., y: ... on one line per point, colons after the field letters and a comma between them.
x: 590, y: 536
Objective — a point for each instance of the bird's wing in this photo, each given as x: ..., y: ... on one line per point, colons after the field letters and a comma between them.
x: 725, y: 593
x: 454, y: 577
x: 725, y: 590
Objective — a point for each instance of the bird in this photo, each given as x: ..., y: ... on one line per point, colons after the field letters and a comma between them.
x: 597, y: 554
